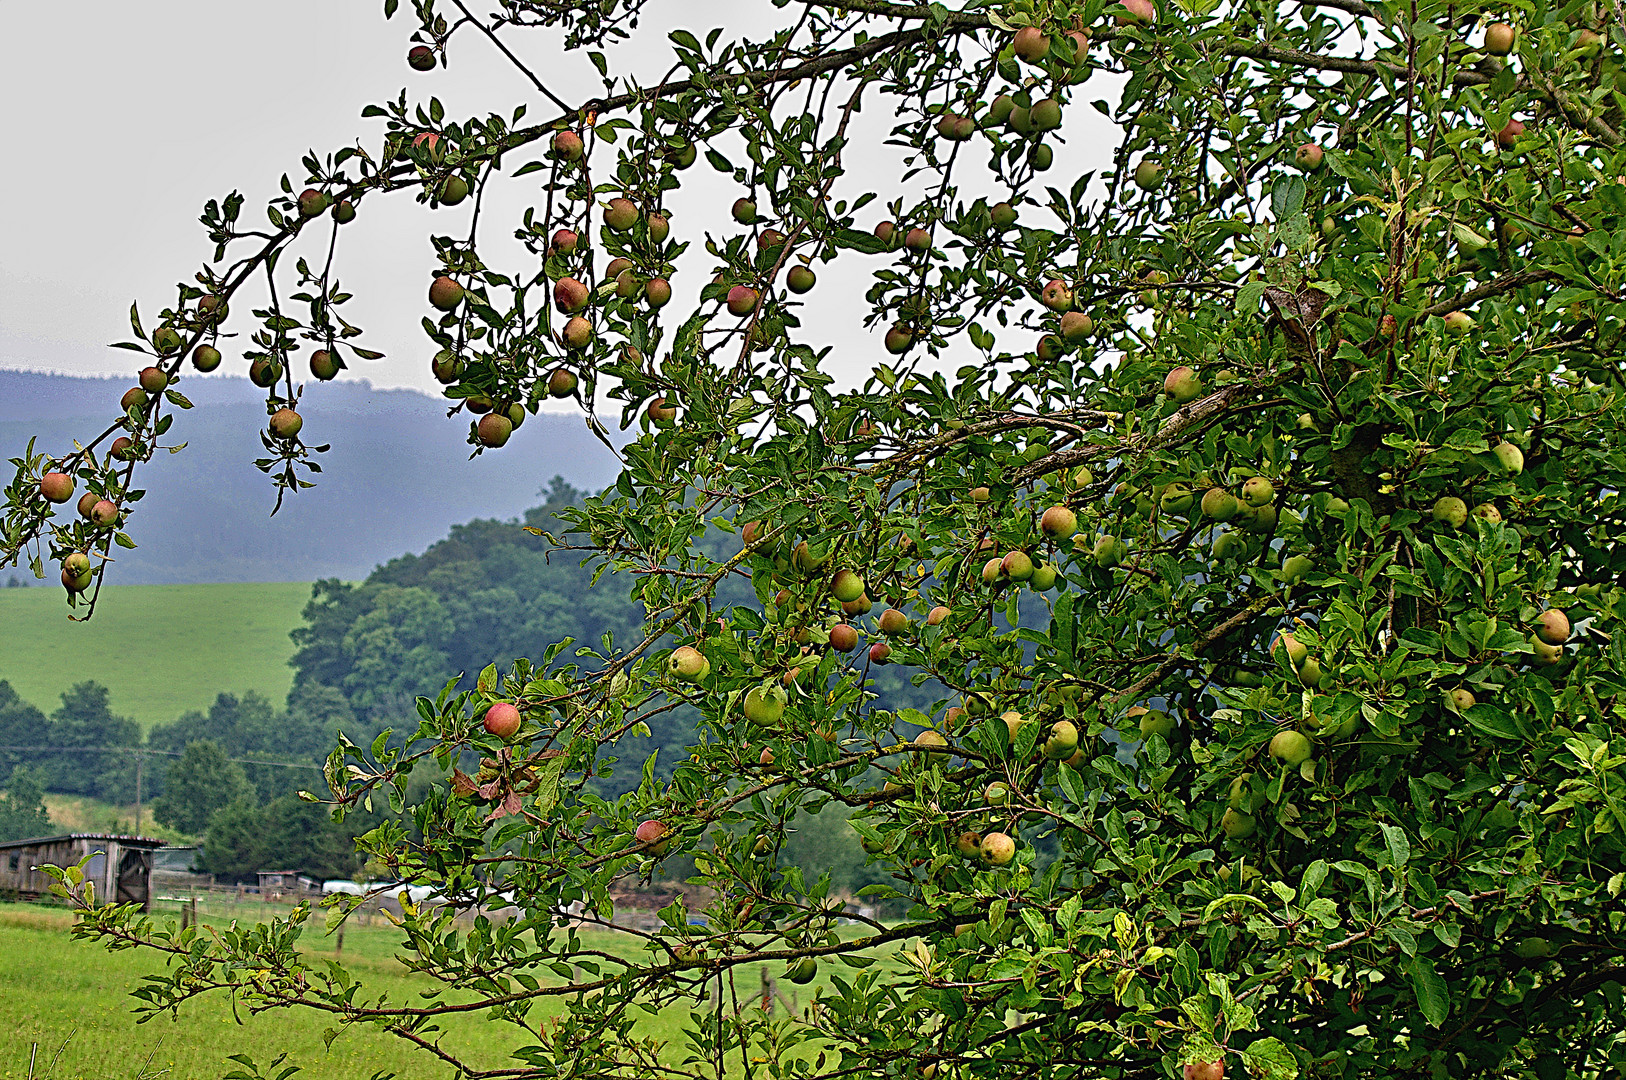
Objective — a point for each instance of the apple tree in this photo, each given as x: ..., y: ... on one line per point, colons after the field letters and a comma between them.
x: 1247, y: 506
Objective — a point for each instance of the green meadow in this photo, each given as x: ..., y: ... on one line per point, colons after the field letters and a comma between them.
x: 161, y: 650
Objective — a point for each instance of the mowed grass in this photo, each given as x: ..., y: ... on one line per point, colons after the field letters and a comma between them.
x: 161, y: 650
x: 56, y: 992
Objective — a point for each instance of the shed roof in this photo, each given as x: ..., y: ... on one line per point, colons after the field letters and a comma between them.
x: 127, y: 841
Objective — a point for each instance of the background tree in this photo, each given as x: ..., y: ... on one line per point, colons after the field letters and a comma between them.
x: 198, y: 783
x: 22, y: 807
x: 1266, y: 542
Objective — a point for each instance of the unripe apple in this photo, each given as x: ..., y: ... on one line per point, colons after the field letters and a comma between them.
x: 1220, y: 504
x: 654, y: 837
x: 1508, y: 137
x: 745, y: 211
x: 153, y: 380
x: 1058, y: 522
x: 1310, y: 673
x: 502, y: 720
x: 1308, y: 157
x: 1148, y: 174
x: 1257, y: 491
x: 887, y: 233
x: 1057, y: 295
x: 1050, y: 349
x: 1296, y: 567
x: 917, y: 240
x: 205, y: 357
x: 765, y: 704
x: 997, y: 849
x: 1462, y: 699
x: 658, y: 227
x: 568, y: 146
x: 1076, y: 327
x: 1135, y: 12
x: 658, y: 291
x: 1532, y: 948
x: 493, y: 429
x: 1045, y: 115
x: 993, y: 571
x: 103, y: 513
x: 1108, y: 552
x: 802, y: 971
x: 453, y: 190
x: 1017, y: 566
x: 799, y: 279
x: 1176, y: 499
x: 515, y: 414
x: 898, y: 339
x: 1238, y: 826
x: 1509, y: 457
x: 1553, y: 626
x: 843, y: 638
x: 862, y: 606
x: 930, y: 740
x: 937, y: 616
x: 968, y: 844
x: 1290, y: 748
x: 1488, y: 513
x: 1154, y: 722
x: 1545, y: 655
x: 1450, y: 510
x: 1237, y: 796
x: 1031, y: 44
x: 742, y: 300
x: 688, y: 664
x: 344, y: 211
x: 570, y: 295
x: 1297, y: 652
x: 1041, y: 157
x: 1003, y: 214
x: 285, y: 424
x: 75, y: 584
x: 1062, y: 742
x: 1499, y: 39
x: 311, y: 203
x: 56, y: 487
x: 446, y: 367
x: 1182, y: 384
x: 445, y: 294
x: 846, y: 586
x: 627, y: 284
x: 87, y: 502
x: 578, y: 333
x: 134, y: 398
x: 77, y: 564
x: 893, y: 622
x: 620, y: 214
x: 659, y: 412
x: 880, y: 653
x: 1044, y: 577
x: 1229, y: 545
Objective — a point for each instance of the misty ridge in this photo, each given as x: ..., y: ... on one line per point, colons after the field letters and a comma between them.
x: 397, y: 478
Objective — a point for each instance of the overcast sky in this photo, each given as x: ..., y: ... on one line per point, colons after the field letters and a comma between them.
x: 137, y: 113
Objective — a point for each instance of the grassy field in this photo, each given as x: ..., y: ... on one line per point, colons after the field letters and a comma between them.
x: 160, y: 649
x: 59, y: 993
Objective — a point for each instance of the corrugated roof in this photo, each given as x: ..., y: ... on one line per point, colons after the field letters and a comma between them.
x: 127, y: 841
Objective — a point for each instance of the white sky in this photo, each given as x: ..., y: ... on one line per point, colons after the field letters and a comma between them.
x: 138, y: 113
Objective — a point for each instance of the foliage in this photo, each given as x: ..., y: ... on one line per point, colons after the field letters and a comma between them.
x: 22, y: 807
x: 250, y: 727
x: 198, y: 783
x: 287, y: 833
x: 1387, y: 846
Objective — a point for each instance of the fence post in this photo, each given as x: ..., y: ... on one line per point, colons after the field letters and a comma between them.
x: 767, y: 991
x: 338, y: 946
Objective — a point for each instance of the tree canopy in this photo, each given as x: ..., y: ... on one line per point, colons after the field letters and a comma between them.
x: 1254, y: 498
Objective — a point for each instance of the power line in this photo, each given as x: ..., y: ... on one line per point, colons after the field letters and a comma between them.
x: 145, y: 750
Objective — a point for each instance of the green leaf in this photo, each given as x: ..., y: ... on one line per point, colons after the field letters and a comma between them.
x: 1433, y: 997
x: 1394, y: 838
x: 1270, y: 1059
x: 1492, y: 720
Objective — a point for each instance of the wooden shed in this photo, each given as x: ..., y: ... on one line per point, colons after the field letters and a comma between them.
x: 286, y: 882
x: 120, y: 866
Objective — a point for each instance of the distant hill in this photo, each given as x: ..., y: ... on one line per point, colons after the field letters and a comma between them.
x: 397, y: 479
x: 160, y: 649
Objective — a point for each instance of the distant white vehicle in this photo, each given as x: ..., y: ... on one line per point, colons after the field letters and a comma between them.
x: 350, y: 888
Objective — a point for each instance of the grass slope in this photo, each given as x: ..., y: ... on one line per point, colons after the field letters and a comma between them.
x: 159, y: 649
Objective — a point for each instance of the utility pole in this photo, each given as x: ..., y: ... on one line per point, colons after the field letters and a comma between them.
x: 140, y: 758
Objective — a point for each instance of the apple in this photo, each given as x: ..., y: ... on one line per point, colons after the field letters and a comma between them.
x: 997, y: 849
x: 658, y: 227
x: 1017, y: 566
x: 1108, y: 552
x: 1148, y: 174
x: 446, y: 367
x: 134, y: 398
x: 344, y: 211
x: 742, y: 300
x: 893, y: 622
x: 86, y: 501
x: 1013, y: 723
x: 1020, y: 121
x: 968, y: 844
x: 846, y: 586
x: 1044, y: 577
x: 898, y: 339
x: 1509, y: 457
x: 421, y: 58
x: 1057, y: 295
x: 568, y: 146
x: 1229, y: 545
x: 862, y: 606
x: 1290, y: 747
x: 653, y: 836
x: 1450, y: 510
x: 917, y: 240
x: 285, y: 424
x: 515, y: 414
x: 980, y: 494
x: 1508, y: 137
x: 1220, y: 504
x: 930, y: 740
x: 1297, y: 652
x: 887, y: 233
x: 800, y: 279
x: 1003, y: 214
x: 75, y: 583
x: 993, y: 571
x: 453, y: 190
x: 56, y: 487
x: 880, y: 653
x: 999, y: 110
x: 1296, y: 567
x: 1545, y: 655
x: 1310, y: 672
x: 122, y: 449
x: 1238, y: 793
x: 1076, y: 327
x: 324, y: 365
x: 1257, y: 491
x: 502, y: 720
x: 493, y: 429
x: 103, y: 513
x: 1153, y: 722
x: 566, y: 241
x: 1050, y: 349
x: 311, y: 203
x: 1461, y: 699
x: 1045, y: 115
x: 1308, y: 157
x: 445, y: 294
x: 659, y: 412
x: 765, y: 704
x: 658, y: 291
x: 802, y: 971
x: 753, y: 531
x: 1058, y: 522
x: 1488, y: 513
x: 205, y: 357
x: 620, y: 215
x: 1041, y: 157
x: 688, y: 664
x: 1062, y: 742
x: 1499, y: 39
x: 1552, y: 626
x: 578, y: 333
x: 843, y: 638
x: 937, y: 616
x: 1079, y: 42
x: 1236, y: 824
x: 153, y: 380
x: 1176, y: 499
x: 1031, y: 44
x: 1135, y: 11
